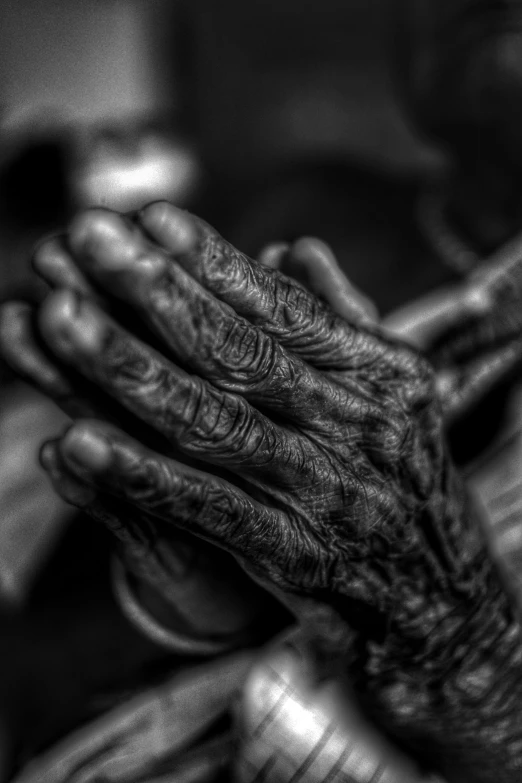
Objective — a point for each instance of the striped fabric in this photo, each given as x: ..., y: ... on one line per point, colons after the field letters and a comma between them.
x: 291, y: 731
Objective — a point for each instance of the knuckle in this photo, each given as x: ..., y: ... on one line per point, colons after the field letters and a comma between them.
x: 221, y: 263
x: 388, y: 434
x: 123, y: 361
x: 296, y: 557
x: 139, y: 477
x: 243, y: 353
x: 411, y: 377
x: 421, y: 390
x: 216, y: 423
x: 298, y: 306
x: 134, y: 373
x: 141, y: 382
x: 222, y: 510
x: 188, y: 427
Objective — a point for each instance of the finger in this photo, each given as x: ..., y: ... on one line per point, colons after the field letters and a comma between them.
x: 470, y: 333
x: 75, y: 489
x: 210, y: 507
x: 273, y: 254
x: 21, y: 350
x: 203, y: 421
x: 312, y: 262
x: 491, y: 315
x: 201, y: 332
x: 57, y: 263
x: 458, y: 330
x: 279, y: 305
x: 24, y: 352
x: 134, y: 532
x: 70, y: 488
x: 422, y: 322
x: 461, y: 387
x: 202, y: 589
x: 53, y: 262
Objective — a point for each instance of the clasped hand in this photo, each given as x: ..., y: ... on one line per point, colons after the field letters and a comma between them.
x: 308, y: 446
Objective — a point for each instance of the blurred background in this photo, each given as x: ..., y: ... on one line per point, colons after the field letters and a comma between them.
x: 211, y: 104
x: 271, y: 120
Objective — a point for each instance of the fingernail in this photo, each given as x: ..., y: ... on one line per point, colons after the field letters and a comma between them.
x: 71, y: 325
x: 86, y: 448
x: 172, y: 227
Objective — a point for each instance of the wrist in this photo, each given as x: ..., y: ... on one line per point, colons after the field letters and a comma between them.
x: 445, y: 678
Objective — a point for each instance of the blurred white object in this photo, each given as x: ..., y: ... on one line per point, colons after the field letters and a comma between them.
x: 85, y: 61
x: 84, y: 67
x: 124, y: 172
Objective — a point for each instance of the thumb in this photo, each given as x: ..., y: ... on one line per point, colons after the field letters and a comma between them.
x: 312, y: 263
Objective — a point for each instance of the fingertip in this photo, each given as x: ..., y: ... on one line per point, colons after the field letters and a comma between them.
x: 52, y: 262
x: 68, y: 486
x: 172, y: 227
x: 158, y: 214
x: 45, y: 255
x: 100, y: 235
x: 273, y: 254
x: 329, y: 281
x: 19, y: 348
x: 85, y: 447
x: 314, y: 249
x: 89, y: 222
x: 70, y: 324
x: 58, y: 309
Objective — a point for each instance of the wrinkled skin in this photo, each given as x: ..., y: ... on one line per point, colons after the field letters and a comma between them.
x: 321, y: 466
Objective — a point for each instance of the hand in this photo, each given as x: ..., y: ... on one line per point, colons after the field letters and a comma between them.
x: 267, y: 733
x: 337, y: 492
x: 334, y: 462
x: 289, y: 447
x: 197, y: 600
